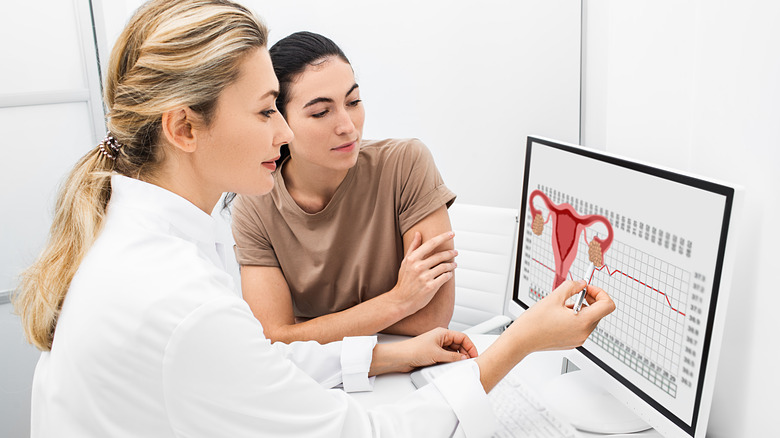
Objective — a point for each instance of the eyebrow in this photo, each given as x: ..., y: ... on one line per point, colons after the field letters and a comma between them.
x: 328, y: 99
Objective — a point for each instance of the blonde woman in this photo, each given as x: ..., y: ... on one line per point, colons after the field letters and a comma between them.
x: 143, y: 332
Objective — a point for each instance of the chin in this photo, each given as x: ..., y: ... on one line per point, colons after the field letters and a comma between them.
x: 264, y: 188
x: 350, y: 161
x: 257, y: 187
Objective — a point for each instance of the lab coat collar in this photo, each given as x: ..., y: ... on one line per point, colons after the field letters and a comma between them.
x: 178, y: 212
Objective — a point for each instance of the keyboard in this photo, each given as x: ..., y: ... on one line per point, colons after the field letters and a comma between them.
x: 520, y: 412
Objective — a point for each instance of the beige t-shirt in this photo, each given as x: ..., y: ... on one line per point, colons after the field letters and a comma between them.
x: 351, y: 250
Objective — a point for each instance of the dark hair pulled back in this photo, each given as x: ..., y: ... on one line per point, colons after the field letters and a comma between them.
x: 290, y: 56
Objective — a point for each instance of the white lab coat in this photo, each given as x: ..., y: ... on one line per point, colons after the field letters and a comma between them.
x: 153, y: 340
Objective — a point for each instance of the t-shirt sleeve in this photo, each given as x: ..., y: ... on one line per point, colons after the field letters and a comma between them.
x: 253, y: 245
x: 421, y: 187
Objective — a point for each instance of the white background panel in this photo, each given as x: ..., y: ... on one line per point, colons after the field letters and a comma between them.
x: 41, y: 49
x: 42, y: 144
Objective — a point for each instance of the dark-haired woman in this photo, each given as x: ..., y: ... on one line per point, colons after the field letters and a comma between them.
x: 333, y: 250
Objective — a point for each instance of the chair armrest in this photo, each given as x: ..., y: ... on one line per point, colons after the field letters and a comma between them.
x: 496, y: 322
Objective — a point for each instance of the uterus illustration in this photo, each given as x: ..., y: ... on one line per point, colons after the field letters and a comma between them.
x: 567, y: 226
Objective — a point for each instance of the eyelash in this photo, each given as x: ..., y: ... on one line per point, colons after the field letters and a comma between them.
x: 322, y: 113
x: 268, y: 113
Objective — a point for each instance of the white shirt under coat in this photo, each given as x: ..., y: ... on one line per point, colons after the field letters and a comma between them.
x: 155, y: 341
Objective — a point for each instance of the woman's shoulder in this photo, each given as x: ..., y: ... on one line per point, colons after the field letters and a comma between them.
x: 396, y: 149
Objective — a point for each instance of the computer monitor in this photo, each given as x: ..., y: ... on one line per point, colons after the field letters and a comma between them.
x: 661, y: 243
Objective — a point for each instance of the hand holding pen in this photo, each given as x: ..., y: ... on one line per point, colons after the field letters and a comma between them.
x: 584, y: 291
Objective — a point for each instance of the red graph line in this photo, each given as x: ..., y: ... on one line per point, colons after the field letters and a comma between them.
x: 626, y: 275
x: 643, y: 284
x: 537, y: 261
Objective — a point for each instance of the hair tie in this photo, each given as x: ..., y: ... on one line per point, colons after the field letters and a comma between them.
x: 110, y: 147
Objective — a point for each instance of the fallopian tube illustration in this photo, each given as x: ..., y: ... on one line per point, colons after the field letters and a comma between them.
x: 567, y: 226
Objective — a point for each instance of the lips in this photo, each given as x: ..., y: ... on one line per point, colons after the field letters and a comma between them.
x: 346, y: 147
x: 270, y: 164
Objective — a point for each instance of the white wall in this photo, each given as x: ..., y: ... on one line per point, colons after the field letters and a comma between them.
x: 695, y: 85
x: 471, y: 79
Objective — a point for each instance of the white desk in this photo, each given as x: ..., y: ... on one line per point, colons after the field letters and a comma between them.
x: 541, y: 367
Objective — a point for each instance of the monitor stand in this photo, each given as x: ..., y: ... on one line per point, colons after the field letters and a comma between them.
x: 588, y: 407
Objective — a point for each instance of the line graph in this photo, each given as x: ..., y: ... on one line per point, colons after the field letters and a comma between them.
x: 611, y: 273
x: 651, y: 295
x: 640, y: 282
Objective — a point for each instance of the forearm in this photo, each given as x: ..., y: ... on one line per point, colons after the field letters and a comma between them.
x: 364, y: 319
x: 496, y: 362
x: 437, y: 313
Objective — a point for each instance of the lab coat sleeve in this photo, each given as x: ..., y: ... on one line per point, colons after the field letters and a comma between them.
x: 221, y: 377
x: 346, y: 362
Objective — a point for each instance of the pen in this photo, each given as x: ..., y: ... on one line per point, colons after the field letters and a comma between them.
x: 583, y: 292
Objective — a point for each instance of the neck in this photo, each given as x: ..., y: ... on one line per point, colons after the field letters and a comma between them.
x: 311, y: 187
x: 179, y: 176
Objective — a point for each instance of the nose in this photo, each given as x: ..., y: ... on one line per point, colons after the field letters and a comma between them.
x: 344, y: 123
x: 283, y: 134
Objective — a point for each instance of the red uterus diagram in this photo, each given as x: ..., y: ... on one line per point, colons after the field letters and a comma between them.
x: 567, y: 226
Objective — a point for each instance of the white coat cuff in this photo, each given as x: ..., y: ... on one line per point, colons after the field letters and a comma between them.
x: 356, y: 354
x: 463, y: 391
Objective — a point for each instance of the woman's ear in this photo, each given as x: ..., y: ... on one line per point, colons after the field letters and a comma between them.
x: 177, y: 126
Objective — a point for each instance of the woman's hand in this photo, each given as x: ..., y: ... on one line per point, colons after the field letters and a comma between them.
x: 436, y: 346
x: 423, y: 272
x: 550, y: 324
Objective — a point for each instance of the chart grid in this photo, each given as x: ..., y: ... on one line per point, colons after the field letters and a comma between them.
x: 646, y: 330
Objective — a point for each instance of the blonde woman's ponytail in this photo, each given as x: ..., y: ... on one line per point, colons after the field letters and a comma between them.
x: 78, y: 216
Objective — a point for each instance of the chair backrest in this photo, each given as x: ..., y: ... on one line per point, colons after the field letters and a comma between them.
x: 484, y: 238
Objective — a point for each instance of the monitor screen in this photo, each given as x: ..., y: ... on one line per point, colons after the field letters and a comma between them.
x: 656, y: 240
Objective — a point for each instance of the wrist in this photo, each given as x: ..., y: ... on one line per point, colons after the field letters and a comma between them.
x: 506, y: 352
x: 396, y: 304
x: 384, y: 359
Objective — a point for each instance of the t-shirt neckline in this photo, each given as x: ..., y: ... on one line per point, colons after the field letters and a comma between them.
x: 332, y: 206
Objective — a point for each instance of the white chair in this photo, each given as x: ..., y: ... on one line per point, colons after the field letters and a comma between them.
x: 484, y: 238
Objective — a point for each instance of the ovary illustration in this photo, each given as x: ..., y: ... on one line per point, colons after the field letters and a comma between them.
x: 567, y: 226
